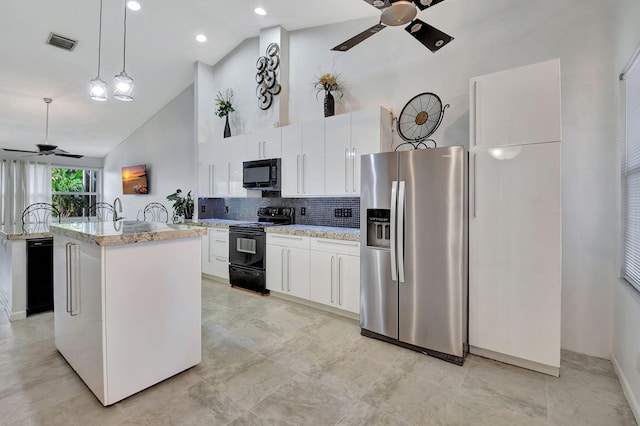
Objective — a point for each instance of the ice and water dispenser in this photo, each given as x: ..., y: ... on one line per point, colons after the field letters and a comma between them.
x: 379, y: 228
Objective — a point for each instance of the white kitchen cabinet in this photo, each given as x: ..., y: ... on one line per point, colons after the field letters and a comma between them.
x: 303, y: 159
x: 516, y: 106
x: 335, y: 273
x: 515, y: 257
x: 288, y: 264
x: 220, y: 167
x: 215, y: 253
x: 347, y: 137
x: 264, y: 144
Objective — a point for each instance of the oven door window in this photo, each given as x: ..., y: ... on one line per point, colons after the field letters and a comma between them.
x: 247, y: 249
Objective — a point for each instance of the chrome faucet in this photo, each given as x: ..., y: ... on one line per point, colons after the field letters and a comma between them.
x: 117, y: 202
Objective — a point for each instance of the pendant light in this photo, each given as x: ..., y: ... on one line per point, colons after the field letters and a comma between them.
x: 123, y: 83
x: 97, y: 86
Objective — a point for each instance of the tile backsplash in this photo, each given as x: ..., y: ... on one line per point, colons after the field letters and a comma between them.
x: 318, y: 211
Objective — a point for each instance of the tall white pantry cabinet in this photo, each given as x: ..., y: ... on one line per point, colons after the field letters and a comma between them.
x: 515, y: 227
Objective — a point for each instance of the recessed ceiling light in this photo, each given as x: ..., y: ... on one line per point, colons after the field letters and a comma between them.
x: 201, y: 38
x: 133, y: 5
x: 260, y: 11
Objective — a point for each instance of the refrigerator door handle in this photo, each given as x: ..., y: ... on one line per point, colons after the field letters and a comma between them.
x: 394, y: 202
x: 400, y: 231
x: 353, y: 169
x: 346, y: 170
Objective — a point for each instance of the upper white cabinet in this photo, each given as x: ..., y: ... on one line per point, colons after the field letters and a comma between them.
x: 220, y: 167
x: 264, y: 144
x: 303, y: 159
x: 517, y: 106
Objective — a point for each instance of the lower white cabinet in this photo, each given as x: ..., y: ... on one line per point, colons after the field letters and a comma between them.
x: 335, y: 273
x: 288, y: 264
x: 215, y: 253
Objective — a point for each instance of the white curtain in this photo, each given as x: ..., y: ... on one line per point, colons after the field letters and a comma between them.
x: 22, y: 183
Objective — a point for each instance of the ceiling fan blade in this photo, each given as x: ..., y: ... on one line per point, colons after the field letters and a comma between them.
x: 19, y: 150
x: 380, y: 4
x: 343, y: 47
x: 423, y: 4
x: 60, y: 154
x: 432, y: 38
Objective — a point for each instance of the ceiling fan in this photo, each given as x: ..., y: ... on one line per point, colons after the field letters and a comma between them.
x: 45, y: 148
x: 400, y: 12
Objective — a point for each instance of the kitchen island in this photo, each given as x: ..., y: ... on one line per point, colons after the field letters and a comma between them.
x: 127, y: 297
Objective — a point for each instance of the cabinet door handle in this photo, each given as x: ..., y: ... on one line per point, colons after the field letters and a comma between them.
x: 220, y: 241
x: 229, y: 178
x: 346, y: 170
x: 211, y: 177
x: 475, y: 113
x: 340, y: 281
x: 475, y: 187
x: 259, y: 148
x: 282, y: 276
x: 304, y: 173
x: 289, y: 270
x: 332, y: 262
x: 338, y: 242
x: 353, y: 169
x: 264, y: 149
x: 298, y: 173
x: 286, y: 237
x: 221, y: 259
x: 68, y: 275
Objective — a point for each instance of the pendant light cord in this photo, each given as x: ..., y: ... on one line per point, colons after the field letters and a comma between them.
x: 100, y: 39
x: 46, y: 131
x: 124, y: 47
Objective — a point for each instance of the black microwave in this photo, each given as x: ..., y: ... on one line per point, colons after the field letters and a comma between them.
x: 261, y: 174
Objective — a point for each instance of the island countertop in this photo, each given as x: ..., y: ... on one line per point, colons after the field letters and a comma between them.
x: 125, y: 232
x: 26, y: 232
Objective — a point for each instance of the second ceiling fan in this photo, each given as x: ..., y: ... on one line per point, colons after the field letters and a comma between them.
x: 401, y: 12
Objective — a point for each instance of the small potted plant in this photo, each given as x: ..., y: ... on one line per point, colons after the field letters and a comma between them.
x: 328, y: 83
x: 224, y: 107
x: 182, y: 206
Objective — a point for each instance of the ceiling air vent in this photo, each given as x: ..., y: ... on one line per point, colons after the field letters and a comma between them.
x: 61, y: 41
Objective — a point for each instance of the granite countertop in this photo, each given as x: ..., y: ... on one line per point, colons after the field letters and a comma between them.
x: 217, y: 223
x: 26, y: 232
x: 125, y: 232
x: 335, y: 233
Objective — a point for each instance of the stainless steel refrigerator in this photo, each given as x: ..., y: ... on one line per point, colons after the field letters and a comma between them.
x: 413, y: 273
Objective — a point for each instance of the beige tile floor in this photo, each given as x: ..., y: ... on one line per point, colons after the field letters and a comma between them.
x: 268, y: 361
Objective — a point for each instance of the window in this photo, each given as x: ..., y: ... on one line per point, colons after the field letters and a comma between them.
x: 631, y: 175
x: 73, y: 190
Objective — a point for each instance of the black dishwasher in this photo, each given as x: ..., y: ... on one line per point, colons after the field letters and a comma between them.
x: 39, y: 275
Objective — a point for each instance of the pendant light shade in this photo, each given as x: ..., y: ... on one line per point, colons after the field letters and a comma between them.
x: 122, y: 82
x: 97, y: 86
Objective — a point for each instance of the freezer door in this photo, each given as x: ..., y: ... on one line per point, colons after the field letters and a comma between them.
x: 431, y: 296
x: 378, y: 285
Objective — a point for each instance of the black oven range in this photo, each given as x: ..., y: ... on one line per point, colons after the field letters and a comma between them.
x: 247, y: 248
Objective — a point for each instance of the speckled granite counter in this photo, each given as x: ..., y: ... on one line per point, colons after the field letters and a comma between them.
x: 118, y: 233
x: 217, y: 223
x: 349, y: 234
x: 20, y: 233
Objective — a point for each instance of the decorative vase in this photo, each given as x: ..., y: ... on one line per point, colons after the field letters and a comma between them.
x: 329, y: 105
x: 227, y: 129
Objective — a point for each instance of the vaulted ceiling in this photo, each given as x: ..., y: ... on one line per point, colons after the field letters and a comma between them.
x: 161, y: 50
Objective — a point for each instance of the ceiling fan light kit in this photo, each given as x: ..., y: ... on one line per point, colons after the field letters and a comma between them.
x: 401, y: 12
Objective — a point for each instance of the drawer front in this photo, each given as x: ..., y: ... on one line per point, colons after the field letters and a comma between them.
x: 220, y: 267
x: 219, y: 233
x: 218, y: 247
x: 336, y: 246
x: 285, y: 240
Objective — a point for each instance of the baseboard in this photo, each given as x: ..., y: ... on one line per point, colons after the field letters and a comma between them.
x: 214, y: 278
x: 18, y: 315
x: 518, y: 362
x: 626, y: 389
x: 316, y: 305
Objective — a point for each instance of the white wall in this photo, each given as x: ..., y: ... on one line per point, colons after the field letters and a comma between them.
x: 626, y: 340
x: 391, y: 67
x: 166, y: 144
